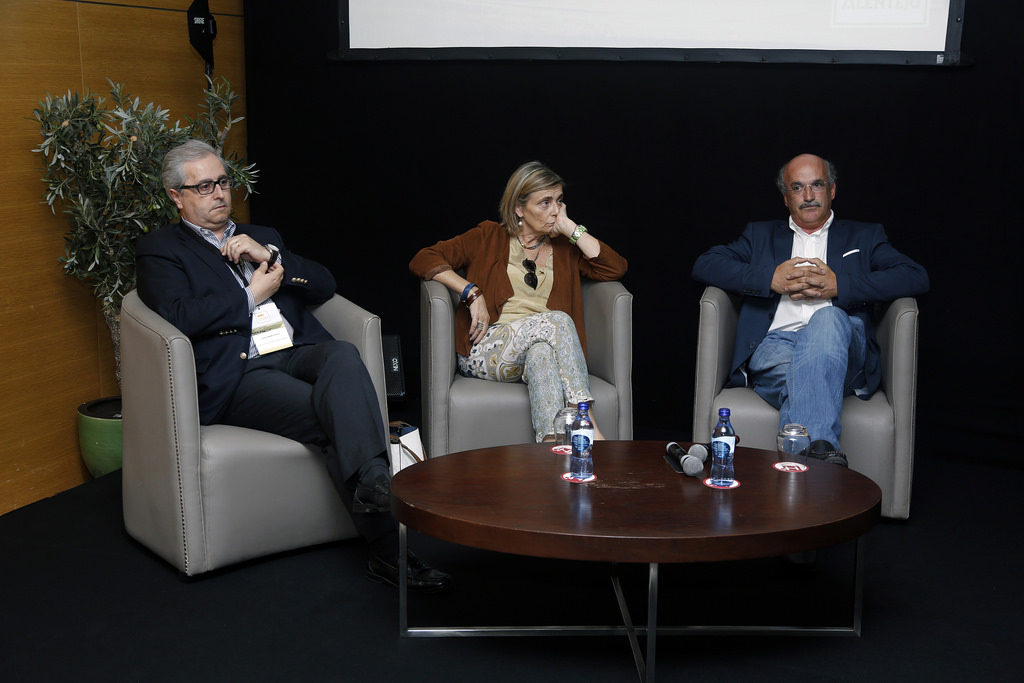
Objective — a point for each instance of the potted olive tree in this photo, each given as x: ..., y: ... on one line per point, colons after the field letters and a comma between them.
x: 102, y: 158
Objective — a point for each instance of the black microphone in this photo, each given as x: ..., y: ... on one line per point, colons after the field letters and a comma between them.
x: 691, y: 461
x: 675, y: 450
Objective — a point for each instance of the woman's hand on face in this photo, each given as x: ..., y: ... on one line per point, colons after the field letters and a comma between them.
x: 479, y: 320
x: 564, y: 225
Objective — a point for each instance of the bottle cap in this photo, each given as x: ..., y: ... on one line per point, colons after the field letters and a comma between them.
x: 723, y: 412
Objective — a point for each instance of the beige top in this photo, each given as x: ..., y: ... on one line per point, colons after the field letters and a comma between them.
x: 525, y: 299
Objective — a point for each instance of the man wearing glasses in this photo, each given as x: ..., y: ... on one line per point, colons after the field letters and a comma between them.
x: 263, y: 361
x: 805, y: 336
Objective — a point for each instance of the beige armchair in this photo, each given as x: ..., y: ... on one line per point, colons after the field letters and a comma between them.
x: 204, y: 497
x: 461, y: 413
x: 878, y: 434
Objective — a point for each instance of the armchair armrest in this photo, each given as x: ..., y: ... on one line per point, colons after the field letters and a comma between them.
x: 608, y: 322
x: 437, y: 359
x: 160, y: 440
x: 716, y: 336
x: 346, y: 321
x: 897, y: 336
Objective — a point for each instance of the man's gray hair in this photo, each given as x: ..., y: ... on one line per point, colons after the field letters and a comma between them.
x: 172, y: 172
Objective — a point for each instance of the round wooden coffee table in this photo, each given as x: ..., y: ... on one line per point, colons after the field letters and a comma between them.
x: 638, y: 509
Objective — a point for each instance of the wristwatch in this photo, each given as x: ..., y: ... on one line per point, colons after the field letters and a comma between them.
x: 274, y: 253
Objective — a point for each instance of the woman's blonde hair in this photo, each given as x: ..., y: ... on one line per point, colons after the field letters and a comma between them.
x: 528, y: 178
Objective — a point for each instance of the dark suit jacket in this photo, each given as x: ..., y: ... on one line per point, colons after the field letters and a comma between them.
x: 868, y: 271
x: 190, y: 284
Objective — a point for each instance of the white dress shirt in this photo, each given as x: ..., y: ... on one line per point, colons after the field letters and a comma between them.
x: 791, y: 315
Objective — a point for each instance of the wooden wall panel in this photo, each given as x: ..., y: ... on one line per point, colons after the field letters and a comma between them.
x: 55, y: 347
x: 158, y: 64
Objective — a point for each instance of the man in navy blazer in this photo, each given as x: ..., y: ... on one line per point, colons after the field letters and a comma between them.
x: 263, y: 361
x: 186, y: 280
x: 805, y: 337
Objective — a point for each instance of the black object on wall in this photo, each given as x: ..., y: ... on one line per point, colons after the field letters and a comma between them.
x: 202, y: 29
x: 394, y: 373
x: 662, y: 160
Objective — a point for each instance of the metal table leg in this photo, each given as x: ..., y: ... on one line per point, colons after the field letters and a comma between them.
x: 645, y: 665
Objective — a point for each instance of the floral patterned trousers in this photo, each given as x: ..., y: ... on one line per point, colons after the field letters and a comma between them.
x: 543, y: 350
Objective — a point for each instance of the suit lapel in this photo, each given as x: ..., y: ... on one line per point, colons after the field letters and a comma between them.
x: 782, y: 242
x: 838, y: 244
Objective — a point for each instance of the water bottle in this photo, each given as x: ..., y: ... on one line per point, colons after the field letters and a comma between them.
x: 723, y: 448
x: 581, y: 465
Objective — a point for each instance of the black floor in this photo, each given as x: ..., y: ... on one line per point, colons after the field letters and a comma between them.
x: 79, y: 600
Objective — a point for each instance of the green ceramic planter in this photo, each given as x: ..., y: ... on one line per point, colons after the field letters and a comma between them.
x: 99, y: 435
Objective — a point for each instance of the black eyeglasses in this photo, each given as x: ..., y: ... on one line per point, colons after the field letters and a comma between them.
x: 206, y: 187
x: 531, y: 273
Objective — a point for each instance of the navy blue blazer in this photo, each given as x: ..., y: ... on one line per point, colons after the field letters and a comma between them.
x: 189, y: 283
x: 868, y: 271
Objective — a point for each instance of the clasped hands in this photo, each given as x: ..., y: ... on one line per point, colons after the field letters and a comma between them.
x: 265, y: 281
x: 805, y: 278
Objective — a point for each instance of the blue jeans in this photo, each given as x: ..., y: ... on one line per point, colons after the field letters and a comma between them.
x: 807, y: 373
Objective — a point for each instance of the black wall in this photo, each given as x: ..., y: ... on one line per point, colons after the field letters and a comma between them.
x: 363, y: 163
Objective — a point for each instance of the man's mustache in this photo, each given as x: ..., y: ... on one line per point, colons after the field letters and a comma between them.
x: 810, y: 205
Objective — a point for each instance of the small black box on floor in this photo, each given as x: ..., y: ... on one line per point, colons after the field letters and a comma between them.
x: 394, y: 375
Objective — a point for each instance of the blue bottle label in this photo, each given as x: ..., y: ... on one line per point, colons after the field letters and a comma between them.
x: 722, y: 468
x: 581, y: 443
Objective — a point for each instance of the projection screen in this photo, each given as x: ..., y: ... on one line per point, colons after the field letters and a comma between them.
x: 829, y: 31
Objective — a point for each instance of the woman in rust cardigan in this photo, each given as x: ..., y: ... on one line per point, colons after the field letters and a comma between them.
x: 522, y: 312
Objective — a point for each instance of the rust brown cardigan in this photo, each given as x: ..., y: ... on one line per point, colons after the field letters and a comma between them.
x: 483, y: 254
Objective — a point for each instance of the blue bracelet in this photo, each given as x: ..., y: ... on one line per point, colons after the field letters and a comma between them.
x: 466, y: 291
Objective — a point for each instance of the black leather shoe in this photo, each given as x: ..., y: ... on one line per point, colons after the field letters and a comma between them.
x: 373, y: 496
x: 422, y: 577
x: 823, y: 450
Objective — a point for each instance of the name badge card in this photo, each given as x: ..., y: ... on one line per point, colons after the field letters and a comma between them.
x: 268, y: 331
